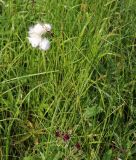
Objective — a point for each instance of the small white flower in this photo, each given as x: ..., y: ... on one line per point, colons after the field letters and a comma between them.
x: 44, y: 44
x: 35, y: 36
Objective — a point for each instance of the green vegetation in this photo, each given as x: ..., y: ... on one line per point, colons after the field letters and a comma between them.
x: 83, y: 87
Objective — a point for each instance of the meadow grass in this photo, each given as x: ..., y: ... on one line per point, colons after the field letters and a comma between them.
x: 83, y: 88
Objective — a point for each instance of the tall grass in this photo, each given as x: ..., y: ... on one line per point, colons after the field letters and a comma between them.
x: 84, y: 87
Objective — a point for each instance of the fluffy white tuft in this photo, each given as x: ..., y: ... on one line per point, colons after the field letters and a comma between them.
x: 44, y: 44
x: 36, y: 29
x: 47, y: 27
x: 35, y: 41
x: 35, y: 36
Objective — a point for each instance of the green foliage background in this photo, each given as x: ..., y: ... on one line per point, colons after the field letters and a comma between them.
x: 85, y: 85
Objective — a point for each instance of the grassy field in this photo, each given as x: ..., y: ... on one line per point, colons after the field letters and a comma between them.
x: 76, y: 101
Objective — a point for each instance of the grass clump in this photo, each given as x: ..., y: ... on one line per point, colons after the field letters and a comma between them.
x: 77, y: 100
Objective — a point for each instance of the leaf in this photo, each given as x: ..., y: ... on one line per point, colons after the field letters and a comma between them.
x: 92, y: 111
x: 42, y: 156
x: 58, y: 156
x: 107, y: 155
x: 22, y: 139
x: 32, y: 158
x: 28, y: 158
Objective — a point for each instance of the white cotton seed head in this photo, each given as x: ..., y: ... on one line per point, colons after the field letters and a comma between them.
x: 35, y: 36
x: 36, y: 29
x: 47, y: 27
x: 44, y: 44
x: 35, y: 41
